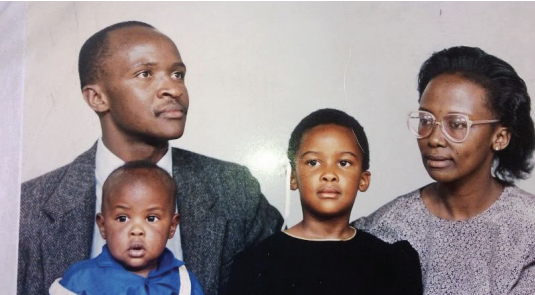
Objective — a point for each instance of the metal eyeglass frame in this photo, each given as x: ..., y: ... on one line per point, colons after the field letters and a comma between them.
x: 442, y: 129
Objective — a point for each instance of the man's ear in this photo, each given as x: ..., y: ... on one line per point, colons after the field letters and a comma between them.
x: 174, y: 225
x: 293, y: 181
x: 100, y: 224
x: 364, y: 181
x: 501, y: 139
x: 95, y: 98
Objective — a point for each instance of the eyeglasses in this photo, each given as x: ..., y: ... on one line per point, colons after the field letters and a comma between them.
x: 455, y: 127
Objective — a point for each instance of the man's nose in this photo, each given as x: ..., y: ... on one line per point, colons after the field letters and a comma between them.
x: 170, y: 87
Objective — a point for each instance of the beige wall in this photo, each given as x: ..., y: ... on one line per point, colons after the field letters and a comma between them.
x: 255, y: 69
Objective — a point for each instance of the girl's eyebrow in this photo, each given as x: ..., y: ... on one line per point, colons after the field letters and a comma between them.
x: 308, y: 152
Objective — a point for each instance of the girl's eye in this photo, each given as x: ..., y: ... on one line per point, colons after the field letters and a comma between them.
x: 312, y: 163
x: 122, y: 218
x: 345, y: 163
x: 144, y: 74
x: 152, y: 219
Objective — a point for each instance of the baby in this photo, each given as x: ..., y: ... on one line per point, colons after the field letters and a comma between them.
x: 138, y: 217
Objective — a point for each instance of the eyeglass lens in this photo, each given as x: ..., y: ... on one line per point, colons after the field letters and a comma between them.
x: 455, y: 127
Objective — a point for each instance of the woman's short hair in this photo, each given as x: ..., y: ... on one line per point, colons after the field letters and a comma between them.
x: 507, y: 97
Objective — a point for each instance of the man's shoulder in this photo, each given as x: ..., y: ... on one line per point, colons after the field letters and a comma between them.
x: 51, y: 179
x: 188, y: 157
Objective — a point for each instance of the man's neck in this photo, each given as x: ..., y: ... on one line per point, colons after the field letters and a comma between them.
x: 128, y: 150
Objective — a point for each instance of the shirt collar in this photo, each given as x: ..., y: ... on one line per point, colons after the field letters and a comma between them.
x: 106, y: 161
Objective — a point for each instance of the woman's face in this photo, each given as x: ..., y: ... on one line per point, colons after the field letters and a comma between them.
x: 446, y: 161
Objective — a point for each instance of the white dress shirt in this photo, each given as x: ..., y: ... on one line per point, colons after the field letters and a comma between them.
x: 106, y: 162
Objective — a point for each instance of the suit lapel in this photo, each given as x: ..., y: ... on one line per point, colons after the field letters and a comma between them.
x: 202, y: 228
x: 71, y: 209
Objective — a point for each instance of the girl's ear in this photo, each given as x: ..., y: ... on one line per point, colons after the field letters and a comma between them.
x: 174, y: 225
x: 100, y: 224
x: 95, y: 98
x: 501, y: 140
x: 364, y: 181
x: 293, y: 181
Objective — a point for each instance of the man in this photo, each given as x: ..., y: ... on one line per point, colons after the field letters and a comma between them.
x: 132, y: 76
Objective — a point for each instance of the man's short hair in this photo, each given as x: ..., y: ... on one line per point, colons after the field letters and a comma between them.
x: 96, y: 50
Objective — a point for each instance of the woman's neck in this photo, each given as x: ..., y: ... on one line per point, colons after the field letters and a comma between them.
x: 461, y: 201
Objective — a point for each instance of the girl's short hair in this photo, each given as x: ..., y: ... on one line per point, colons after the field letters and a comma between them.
x: 324, y: 117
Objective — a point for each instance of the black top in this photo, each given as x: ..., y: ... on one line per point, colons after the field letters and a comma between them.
x: 364, y: 264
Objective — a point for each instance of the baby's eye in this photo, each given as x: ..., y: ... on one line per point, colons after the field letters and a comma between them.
x: 143, y: 74
x: 152, y: 218
x: 345, y: 163
x: 122, y: 218
x: 312, y: 163
x: 178, y: 75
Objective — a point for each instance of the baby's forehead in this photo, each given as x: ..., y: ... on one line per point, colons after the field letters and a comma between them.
x: 124, y: 184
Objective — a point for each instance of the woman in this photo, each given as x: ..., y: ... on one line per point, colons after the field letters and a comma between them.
x: 473, y: 229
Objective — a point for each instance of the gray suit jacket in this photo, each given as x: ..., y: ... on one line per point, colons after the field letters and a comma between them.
x: 221, y: 207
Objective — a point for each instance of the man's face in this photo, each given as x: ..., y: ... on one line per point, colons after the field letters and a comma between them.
x: 143, y: 81
x: 136, y: 222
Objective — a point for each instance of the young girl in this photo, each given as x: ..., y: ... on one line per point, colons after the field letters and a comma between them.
x: 323, y: 254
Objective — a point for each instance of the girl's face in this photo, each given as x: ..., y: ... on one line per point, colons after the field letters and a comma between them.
x: 446, y: 161
x: 329, y: 172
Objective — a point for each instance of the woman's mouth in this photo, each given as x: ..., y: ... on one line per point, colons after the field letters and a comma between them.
x: 437, y: 161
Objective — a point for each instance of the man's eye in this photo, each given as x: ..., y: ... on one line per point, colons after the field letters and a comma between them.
x: 122, y: 218
x: 144, y: 74
x: 178, y: 75
x: 345, y: 163
x: 152, y: 218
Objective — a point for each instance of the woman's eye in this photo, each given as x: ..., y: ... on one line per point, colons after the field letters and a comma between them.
x: 122, y: 218
x: 312, y: 163
x: 345, y: 163
x: 152, y: 218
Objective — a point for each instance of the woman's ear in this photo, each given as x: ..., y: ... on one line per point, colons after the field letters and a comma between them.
x: 100, y: 224
x: 293, y: 181
x: 502, y: 137
x: 95, y: 98
x: 364, y: 181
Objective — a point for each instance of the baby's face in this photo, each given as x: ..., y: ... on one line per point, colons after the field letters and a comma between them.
x: 137, y: 222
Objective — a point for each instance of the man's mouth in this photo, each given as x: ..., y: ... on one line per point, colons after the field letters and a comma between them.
x: 171, y: 111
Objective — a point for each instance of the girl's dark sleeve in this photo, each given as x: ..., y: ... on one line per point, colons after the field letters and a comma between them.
x: 240, y: 275
x: 410, y: 272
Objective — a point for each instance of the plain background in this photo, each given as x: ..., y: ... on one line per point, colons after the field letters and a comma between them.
x: 254, y: 71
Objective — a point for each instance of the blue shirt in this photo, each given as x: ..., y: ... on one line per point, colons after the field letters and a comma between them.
x: 105, y: 275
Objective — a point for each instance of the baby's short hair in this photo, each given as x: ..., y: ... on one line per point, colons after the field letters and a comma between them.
x: 325, y: 117
x: 140, y: 168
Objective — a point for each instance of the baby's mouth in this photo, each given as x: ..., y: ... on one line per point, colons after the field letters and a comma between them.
x: 136, y: 250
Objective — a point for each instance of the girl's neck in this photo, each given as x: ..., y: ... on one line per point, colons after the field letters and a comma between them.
x: 461, y: 201
x: 322, y: 230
